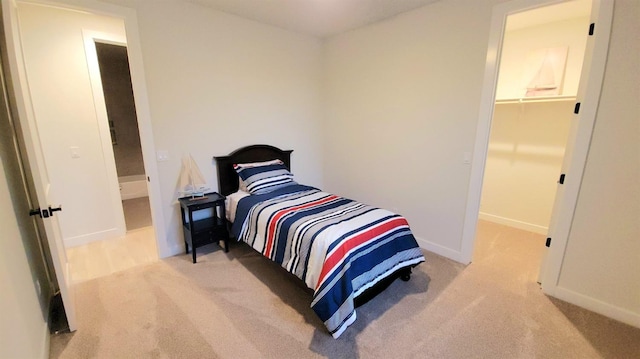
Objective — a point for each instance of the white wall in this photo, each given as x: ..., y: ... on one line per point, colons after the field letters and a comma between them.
x: 217, y: 82
x: 64, y: 109
x: 602, y: 261
x: 402, y: 101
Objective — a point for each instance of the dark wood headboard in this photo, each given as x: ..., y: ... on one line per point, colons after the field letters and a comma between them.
x: 227, y: 176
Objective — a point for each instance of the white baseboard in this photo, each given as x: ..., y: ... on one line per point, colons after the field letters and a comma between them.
x: 173, y: 250
x: 620, y: 314
x: 92, y: 237
x: 441, y: 250
x: 514, y: 223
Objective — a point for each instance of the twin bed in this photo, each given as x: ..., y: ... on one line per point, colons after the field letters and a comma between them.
x: 345, y: 251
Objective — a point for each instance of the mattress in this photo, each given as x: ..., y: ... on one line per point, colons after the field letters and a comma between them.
x: 231, y: 204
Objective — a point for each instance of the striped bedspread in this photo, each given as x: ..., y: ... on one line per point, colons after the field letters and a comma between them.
x: 337, y: 246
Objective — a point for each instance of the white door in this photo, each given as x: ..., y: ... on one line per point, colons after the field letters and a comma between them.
x: 578, y: 142
x: 27, y: 129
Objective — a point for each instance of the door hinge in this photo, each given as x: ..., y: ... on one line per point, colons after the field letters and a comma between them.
x: 576, y: 109
x: 35, y: 212
x: 592, y: 27
x: 548, y: 244
x: 561, y: 180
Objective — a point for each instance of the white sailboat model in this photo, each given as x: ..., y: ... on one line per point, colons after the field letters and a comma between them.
x: 192, y: 181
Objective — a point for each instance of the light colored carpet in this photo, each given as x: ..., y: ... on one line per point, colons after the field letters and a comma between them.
x: 239, y: 305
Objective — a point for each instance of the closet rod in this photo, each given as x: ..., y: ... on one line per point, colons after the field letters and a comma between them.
x: 536, y: 99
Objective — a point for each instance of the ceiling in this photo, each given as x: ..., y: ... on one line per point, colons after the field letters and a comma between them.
x: 325, y: 18
x: 319, y: 18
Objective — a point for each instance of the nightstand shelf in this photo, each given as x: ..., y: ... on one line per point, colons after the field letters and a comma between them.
x: 198, y: 233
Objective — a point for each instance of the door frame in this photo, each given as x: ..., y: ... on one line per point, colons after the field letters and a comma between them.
x: 579, y: 137
x: 138, y: 82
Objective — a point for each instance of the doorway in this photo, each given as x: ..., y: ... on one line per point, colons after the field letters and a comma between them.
x: 539, y: 73
x: 66, y: 115
x: 588, y: 94
x: 113, y: 97
x: 125, y: 135
x: 115, y: 105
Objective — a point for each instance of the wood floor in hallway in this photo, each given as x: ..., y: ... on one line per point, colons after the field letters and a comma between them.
x: 101, y: 258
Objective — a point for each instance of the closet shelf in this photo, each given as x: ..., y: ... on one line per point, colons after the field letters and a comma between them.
x: 535, y: 99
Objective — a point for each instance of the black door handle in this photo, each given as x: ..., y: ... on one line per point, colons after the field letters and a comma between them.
x: 44, y: 213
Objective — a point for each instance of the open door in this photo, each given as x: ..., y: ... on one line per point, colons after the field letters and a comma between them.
x: 29, y: 142
x: 578, y: 143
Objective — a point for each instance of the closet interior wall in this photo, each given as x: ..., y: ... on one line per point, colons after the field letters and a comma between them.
x: 526, y: 149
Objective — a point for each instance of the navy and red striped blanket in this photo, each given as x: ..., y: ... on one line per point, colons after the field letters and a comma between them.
x: 337, y: 246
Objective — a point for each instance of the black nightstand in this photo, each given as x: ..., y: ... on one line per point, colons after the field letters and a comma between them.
x: 207, y: 230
